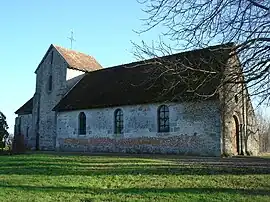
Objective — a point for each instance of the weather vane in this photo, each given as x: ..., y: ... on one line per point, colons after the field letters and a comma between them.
x: 71, y: 38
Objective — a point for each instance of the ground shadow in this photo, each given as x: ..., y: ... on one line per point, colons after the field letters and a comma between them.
x: 135, y: 164
x: 89, y: 190
x: 133, y: 169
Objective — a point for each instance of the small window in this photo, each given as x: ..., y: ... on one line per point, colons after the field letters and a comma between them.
x: 27, y: 132
x: 163, y: 119
x: 82, y: 123
x: 50, y: 83
x: 52, y: 58
x: 19, y: 125
x: 118, y: 121
x: 236, y: 98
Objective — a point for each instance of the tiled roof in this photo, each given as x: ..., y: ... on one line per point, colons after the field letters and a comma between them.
x: 77, y: 60
x: 143, y: 82
x: 26, y: 108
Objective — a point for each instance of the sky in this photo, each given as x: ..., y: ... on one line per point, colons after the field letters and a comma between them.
x: 103, y: 29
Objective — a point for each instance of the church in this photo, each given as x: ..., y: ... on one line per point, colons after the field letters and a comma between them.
x: 80, y: 106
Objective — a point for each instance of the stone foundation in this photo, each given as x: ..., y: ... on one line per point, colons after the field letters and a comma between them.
x: 183, y: 144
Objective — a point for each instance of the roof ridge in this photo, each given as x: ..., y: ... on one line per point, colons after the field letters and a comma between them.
x: 139, y: 88
x: 145, y: 61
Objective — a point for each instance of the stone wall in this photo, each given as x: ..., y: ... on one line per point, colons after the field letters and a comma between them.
x: 194, y: 129
x: 252, y: 134
x: 23, y: 124
x: 44, y: 119
x: 237, y: 107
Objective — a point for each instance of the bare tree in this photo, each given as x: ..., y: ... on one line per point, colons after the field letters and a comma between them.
x: 194, y: 24
x: 264, y: 131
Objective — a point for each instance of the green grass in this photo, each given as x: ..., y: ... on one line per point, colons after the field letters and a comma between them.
x: 52, y: 177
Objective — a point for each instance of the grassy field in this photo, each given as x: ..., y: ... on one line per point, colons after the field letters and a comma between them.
x: 67, y: 177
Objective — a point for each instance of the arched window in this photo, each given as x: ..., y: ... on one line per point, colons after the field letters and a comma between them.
x: 82, y: 123
x: 163, y: 119
x: 118, y: 121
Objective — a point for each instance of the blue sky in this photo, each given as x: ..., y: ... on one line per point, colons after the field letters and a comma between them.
x: 102, y: 28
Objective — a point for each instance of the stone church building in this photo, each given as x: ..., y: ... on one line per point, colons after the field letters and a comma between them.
x: 80, y: 106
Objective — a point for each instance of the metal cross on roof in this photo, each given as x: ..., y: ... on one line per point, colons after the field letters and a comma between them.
x: 71, y: 38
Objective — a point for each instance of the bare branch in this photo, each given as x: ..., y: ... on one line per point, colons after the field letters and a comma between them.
x: 193, y: 24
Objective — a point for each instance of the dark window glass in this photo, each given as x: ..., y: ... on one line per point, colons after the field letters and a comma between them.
x: 19, y: 125
x: 163, y: 119
x: 82, y: 123
x: 50, y: 83
x: 52, y: 58
x: 118, y: 121
x: 27, y: 132
x: 236, y: 98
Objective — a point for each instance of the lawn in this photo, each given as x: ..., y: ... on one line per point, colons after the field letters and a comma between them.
x: 73, y: 177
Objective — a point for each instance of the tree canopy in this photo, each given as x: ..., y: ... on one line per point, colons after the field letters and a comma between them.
x: 3, y: 129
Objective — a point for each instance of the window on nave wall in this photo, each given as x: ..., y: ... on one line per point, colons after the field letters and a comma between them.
x: 163, y: 119
x: 82, y: 123
x: 118, y: 122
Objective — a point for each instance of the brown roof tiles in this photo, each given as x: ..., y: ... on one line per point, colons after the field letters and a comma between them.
x: 143, y: 82
x: 77, y: 60
x: 139, y: 82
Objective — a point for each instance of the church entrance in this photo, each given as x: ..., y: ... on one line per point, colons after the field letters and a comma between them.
x: 235, y: 136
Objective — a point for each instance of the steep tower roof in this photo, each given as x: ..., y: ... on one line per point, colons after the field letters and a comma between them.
x: 74, y: 59
x: 78, y: 60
